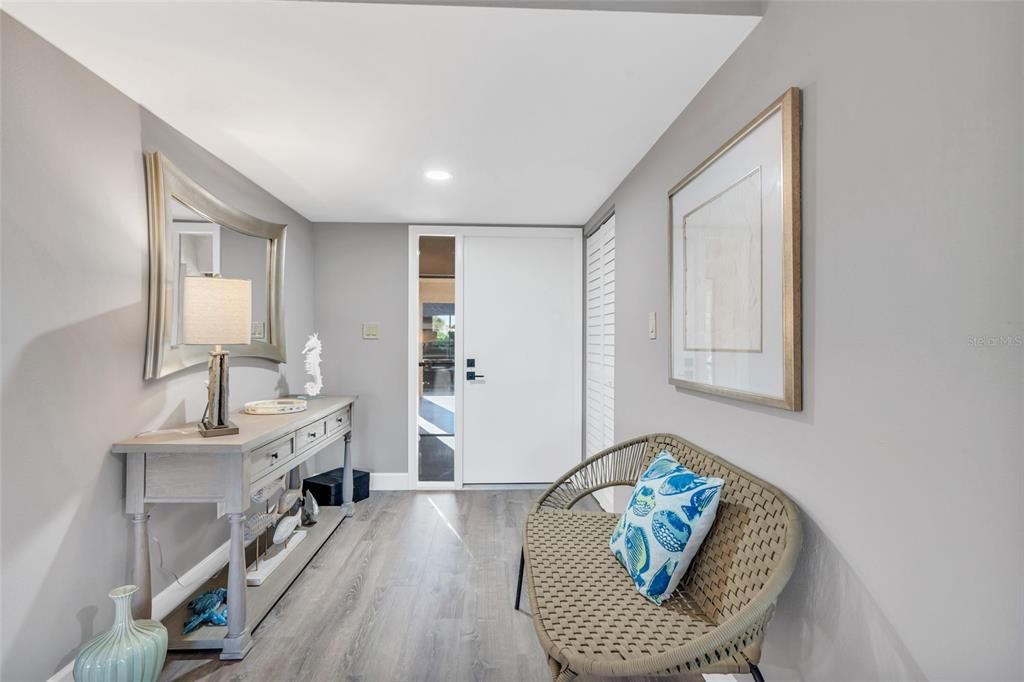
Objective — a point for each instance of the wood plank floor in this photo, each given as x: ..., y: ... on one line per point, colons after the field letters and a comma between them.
x: 417, y: 587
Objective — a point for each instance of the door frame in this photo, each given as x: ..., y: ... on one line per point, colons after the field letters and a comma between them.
x: 412, y: 336
x: 459, y: 232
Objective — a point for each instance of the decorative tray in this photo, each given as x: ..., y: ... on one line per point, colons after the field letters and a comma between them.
x: 279, y: 406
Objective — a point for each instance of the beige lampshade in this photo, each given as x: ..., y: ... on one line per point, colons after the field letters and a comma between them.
x: 216, y: 311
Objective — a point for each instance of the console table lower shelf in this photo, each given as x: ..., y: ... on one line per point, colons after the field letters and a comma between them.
x: 260, y: 599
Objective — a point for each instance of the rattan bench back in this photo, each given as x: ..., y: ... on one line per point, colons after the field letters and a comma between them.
x: 747, y: 541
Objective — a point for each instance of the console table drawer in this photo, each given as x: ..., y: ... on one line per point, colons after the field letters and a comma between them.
x: 339, y: 420
x: 271, y: 455
x: 171, y: 476
x: 310, y: 433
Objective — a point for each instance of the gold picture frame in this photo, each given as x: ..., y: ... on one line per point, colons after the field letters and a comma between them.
x: 790, y: 395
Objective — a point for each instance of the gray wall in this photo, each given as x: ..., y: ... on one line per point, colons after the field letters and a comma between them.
x: 906, y: 459
x: 74, y: 269
x: 903, y: 460
x: 362, y: 275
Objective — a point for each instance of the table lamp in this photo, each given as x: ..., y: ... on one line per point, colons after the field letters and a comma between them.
x: 216, y: 311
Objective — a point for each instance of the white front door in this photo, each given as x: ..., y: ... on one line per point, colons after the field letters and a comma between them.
x: 521, y: 334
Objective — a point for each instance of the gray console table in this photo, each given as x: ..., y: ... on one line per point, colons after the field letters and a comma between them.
x: 179, y: 465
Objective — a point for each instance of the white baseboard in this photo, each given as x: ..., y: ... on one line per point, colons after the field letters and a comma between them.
x: 606, y: 498
x: 386, y: 481
x: 168, y: 598
x: 402, y: 481
x: 64, y: 674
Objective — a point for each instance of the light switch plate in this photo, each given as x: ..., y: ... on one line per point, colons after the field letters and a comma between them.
x: 371, y: 331
x: 652, y: 325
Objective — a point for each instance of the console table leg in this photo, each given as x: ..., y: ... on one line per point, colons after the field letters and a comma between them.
x: 347, y: 507
x: 142, y: 600
x: 294, y: 479
x: 238, y: 640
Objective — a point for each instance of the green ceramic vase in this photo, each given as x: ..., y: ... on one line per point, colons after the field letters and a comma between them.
x: 131, y: 651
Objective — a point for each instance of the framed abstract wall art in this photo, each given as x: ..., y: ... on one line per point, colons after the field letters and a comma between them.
x: 734, y: 249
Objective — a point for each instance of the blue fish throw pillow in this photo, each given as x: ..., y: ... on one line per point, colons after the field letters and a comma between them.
x: 668, y: 517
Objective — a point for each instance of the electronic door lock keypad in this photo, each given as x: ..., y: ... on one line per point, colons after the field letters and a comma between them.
x: 471, y: 374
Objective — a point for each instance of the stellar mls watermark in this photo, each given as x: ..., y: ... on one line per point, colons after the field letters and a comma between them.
x: 995, y: 341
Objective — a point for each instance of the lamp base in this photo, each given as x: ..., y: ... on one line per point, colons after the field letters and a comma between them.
x: 215, y: 422
x: 228, y: 429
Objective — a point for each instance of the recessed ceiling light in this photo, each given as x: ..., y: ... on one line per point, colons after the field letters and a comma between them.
x: 438, y: 174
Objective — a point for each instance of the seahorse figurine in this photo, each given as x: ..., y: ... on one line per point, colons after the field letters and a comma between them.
x: 312, y: 352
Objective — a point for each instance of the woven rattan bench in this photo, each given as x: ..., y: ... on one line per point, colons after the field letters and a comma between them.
x: 588, y: 617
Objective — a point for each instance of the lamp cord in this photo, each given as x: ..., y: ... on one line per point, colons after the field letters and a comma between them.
x: 160, y: 563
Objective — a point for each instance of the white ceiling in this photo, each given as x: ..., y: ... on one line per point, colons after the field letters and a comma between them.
x: 338, y: 108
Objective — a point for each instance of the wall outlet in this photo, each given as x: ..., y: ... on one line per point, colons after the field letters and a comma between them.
x: 652, y: 325
x: 371, y: 331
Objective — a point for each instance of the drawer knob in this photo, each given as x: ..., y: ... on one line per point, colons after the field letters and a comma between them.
x: 273, y: 456
x: 312, y: 434
x: 340, y: 419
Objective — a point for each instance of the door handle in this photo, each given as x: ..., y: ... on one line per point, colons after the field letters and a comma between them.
x: 473, y: 376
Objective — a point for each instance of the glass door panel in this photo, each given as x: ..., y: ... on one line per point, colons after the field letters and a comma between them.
x: 436, y: 418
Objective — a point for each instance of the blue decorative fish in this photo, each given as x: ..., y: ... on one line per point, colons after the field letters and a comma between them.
x: 676, y: 484
x: 661, y: 466
x: 699, y: 502
x: 620, y: 528
x: 206, y: 609
x: 622, y: 559
x: 669, y: 530
x: 208, y: 601
x: 642, y: 501
x: 638, y: 552
x: 659, y: 583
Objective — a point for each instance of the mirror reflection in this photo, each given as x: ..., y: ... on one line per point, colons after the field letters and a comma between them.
x: 200, y: 246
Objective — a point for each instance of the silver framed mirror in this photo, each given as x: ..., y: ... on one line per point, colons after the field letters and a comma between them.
x: 192, y: 232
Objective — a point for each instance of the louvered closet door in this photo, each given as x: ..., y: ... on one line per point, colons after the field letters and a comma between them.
x: 600, y: 393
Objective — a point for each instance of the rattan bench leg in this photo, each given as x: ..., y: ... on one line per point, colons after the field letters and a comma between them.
x: 558, y: 673
x: 755, y: 672
x: 519, y: 586
x: 555, y: 668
